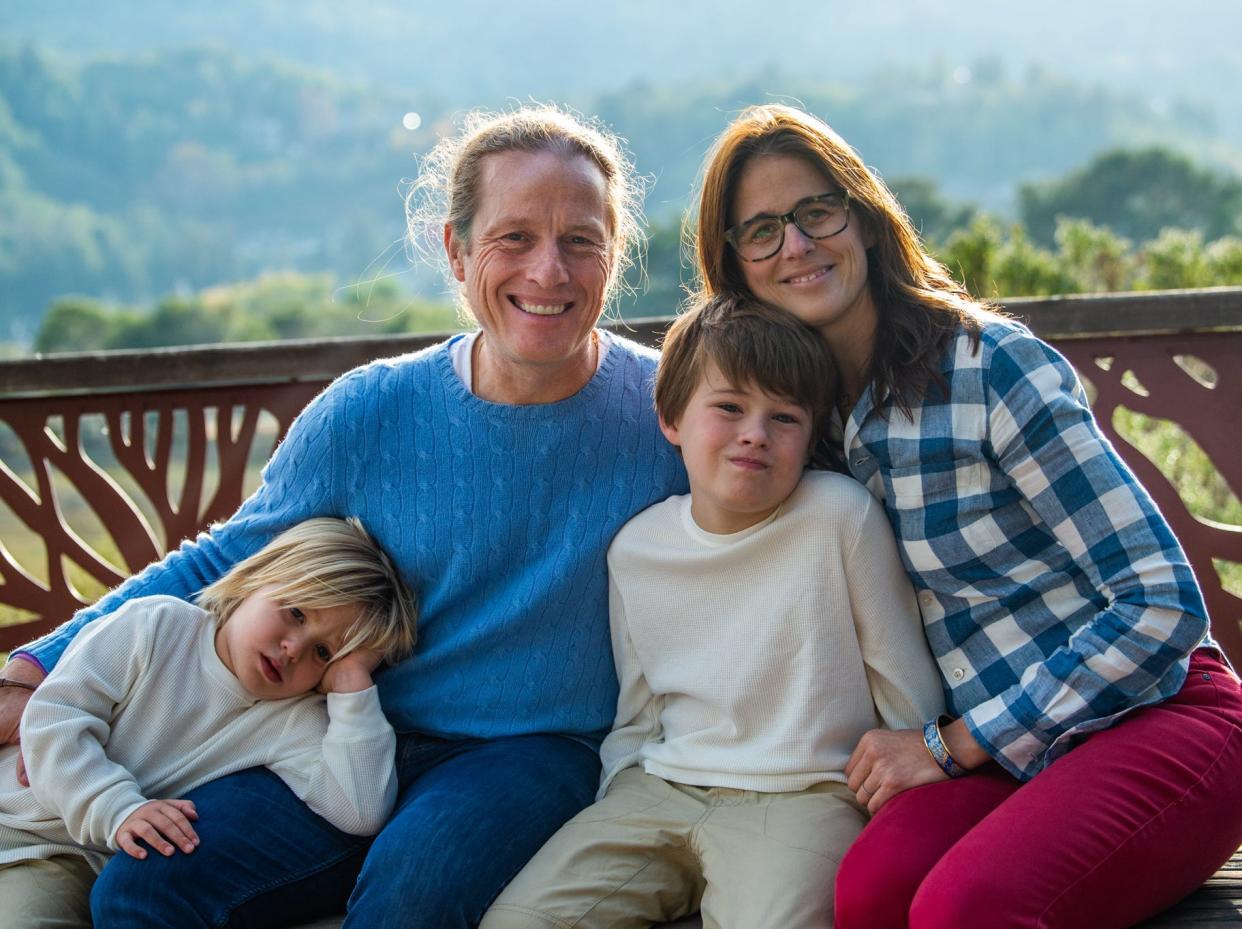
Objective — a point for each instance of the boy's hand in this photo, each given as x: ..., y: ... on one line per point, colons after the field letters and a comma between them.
x: 350, y: 674
x: 159, y: 823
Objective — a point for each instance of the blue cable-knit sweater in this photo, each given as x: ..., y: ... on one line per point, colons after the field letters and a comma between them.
x: 498, y: 516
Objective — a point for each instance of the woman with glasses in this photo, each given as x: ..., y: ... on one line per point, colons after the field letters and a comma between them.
x: 1087, y: 772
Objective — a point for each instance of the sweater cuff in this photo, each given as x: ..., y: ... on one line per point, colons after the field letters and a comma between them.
x: 358, y: 713
x: 30, y: 658
x: 123, y: 814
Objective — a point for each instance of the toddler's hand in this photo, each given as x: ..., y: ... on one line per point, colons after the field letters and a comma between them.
x: 350, y: 674
x: 160, y: 823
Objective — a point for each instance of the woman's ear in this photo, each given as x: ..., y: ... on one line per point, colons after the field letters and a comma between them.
x: 455, y: 249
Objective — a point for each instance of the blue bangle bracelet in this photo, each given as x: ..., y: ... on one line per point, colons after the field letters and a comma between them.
x: 939, y: 751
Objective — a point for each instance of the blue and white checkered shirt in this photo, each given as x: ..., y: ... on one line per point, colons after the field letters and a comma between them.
x: 1054, y: 595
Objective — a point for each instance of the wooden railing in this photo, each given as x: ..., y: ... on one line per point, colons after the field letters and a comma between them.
x: 149, y: 447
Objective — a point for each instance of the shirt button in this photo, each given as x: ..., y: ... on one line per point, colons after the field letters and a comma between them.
x: 927, y: 597
x: 958, y: 674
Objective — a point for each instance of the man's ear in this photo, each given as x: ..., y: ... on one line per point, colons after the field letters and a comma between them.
x: 455, y: 249
x: 670, y: 432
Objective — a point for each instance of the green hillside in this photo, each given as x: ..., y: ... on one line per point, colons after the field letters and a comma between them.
x: 127, y: 177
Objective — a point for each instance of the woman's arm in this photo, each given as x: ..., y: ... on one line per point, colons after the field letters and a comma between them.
x: 1045, y: 442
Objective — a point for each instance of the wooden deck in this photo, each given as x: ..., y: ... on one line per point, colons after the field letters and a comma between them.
x: 1217, y: 903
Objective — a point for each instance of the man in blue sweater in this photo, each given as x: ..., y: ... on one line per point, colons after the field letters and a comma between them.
x: 495, y: 468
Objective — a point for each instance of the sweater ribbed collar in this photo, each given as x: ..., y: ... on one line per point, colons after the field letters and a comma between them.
x: 584, y: 398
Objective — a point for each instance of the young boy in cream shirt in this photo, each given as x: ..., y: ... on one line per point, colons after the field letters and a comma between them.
x: 760, y: 626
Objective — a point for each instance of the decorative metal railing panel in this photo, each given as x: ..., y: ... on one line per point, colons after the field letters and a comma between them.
x: 170, y: 498
x: 132, y: 442
x: 1195, y: 382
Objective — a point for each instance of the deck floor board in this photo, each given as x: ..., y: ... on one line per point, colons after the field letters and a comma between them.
x: 1217, y: 903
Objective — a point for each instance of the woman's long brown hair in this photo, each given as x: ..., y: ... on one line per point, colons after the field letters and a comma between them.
x: 920, y: 306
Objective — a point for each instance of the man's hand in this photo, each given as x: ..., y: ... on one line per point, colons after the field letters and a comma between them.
x: 159, y: 823
x: 350, y: 674
x: 13, y: 702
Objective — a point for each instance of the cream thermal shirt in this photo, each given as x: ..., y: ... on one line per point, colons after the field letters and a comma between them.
x: 141, y: 708
x: 757, y: 660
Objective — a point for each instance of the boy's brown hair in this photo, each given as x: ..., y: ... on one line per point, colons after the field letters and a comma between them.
x: 750, y: 343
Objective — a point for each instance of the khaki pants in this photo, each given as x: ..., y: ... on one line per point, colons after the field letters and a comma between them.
x: 52, y: 893
x: 652, y: 851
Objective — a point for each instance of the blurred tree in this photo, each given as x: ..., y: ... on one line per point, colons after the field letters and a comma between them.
x: 934, y: 216
x: 970, y: 255
x: 1176, y: 259
x: 1224, y: 260
x: 1136, y: 194
x: 275, y: 306
x: 77, y: 324
x: 1022, y: 268
x: 659, y: 286
x: 1097, y: 258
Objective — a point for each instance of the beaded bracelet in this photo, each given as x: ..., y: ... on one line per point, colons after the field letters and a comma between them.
x: 939, y: 751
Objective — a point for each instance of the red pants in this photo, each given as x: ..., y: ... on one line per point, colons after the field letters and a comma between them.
x: 1123, y: 826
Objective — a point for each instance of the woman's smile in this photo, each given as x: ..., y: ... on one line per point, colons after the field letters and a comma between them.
x: 809, y: 276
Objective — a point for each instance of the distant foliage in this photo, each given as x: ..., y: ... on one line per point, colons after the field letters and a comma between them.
x: 995, y: 263
x: 934, y: 215
x: 977, y: 139
x: 664, y: 279
x: 128, y: 177
x: 1138, y: 194
x: 285, y: 306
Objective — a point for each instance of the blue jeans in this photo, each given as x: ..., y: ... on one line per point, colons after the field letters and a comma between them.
x: 469, y: 815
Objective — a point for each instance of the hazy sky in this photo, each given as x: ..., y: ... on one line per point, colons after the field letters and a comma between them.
x: 551, y: 47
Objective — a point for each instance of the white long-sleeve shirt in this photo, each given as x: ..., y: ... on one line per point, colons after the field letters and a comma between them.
x: 756, y: 660
x: 142, y: 708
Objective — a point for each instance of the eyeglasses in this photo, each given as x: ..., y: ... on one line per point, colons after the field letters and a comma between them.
x: 816, y: 218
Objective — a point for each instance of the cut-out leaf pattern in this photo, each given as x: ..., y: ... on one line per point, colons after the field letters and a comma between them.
x: 1203, y: 373
x: 162, y: 445
x: 1207, y: 409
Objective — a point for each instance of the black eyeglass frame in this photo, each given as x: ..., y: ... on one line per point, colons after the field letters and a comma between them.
x: 785, y: 219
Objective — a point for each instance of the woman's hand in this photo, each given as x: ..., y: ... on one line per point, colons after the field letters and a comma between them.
x: 13, y: 702
x: 159, y: 823
x: 350, y: 674
x: 885, y: 762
